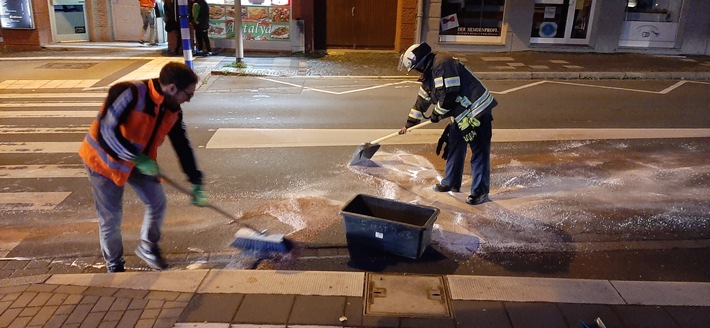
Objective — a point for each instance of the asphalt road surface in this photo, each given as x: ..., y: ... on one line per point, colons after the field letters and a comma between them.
x: 590, y: 179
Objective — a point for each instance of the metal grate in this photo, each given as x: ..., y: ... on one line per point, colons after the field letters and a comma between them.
x: 406, y: 295
x: 67, y: 66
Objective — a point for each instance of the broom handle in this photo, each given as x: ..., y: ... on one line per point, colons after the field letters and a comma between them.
x: 420, y: 125
x: 184, y: 190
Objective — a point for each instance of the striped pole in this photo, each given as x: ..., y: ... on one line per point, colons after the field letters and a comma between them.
x: 185, y: 32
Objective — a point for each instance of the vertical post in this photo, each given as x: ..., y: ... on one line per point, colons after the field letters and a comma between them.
x: 185, y: 32
x: 238, y: 30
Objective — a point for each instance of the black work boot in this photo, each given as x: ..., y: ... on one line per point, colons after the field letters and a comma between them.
x: 112, y: 268
x: 477, y: 199
x: 152, y: 257
x: 444, y: 188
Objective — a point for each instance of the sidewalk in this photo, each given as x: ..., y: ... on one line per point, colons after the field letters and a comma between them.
x: 265, y: 298
x: 488, y: 66
x: 383, y: 64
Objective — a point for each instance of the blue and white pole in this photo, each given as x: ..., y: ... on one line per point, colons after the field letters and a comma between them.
x: 185, y: 32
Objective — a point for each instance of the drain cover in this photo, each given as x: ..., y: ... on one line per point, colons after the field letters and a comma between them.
x: 406, y: 296
x: 67, y: 65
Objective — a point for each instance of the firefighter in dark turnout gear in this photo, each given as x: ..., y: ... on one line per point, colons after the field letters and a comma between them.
x: 457, y: 94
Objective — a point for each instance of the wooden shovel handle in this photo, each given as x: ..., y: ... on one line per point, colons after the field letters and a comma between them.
x: 420, y: 125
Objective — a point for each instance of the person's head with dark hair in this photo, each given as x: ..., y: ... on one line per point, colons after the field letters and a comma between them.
x: 178, y: 83
x: 179, y: 74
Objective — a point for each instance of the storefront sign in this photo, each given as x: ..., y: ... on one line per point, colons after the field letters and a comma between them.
x: 16, y: 14
x: 471, y: 21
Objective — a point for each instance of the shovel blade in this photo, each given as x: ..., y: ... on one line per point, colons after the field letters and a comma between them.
x: 363, y: 154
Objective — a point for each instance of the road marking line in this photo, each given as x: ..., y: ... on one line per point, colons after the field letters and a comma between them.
x: 107, y: 58
x: 603, y: 87
x: 52, y: 95
x: 46, y: 84
x: 518, y: 88
x: 336, y: 92
x: 32, y: 201
x: 12, y: 129
x: 39, y: 147
x: 47, y: 114
x: 265, y: 138
x: 672, y: 87
x: 51, y: 104
x: 42, y: 171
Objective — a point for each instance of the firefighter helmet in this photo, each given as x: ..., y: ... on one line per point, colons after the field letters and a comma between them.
x: 414, y: 56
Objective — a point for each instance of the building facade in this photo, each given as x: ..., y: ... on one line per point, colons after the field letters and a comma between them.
x: 604, y: 26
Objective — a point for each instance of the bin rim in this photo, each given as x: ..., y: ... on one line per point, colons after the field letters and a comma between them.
x: 429, y: 221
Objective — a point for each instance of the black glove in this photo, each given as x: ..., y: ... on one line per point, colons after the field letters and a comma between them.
x: 443, y: 142
x: 435, y: 118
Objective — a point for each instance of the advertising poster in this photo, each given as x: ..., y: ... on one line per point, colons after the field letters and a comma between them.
x: 16, y: 14
x: 267, y: 23
x: 221, y: 21
x: 262, y: 20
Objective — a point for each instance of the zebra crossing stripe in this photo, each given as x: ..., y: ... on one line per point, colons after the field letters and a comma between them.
x: 42, y: 171
x: 38, y: 147
x: 33, y: 201
x: 46, y: 84
x: 13, y: 129
x: 53, y: 95
x: 51, y: 104
x: 47, y: 114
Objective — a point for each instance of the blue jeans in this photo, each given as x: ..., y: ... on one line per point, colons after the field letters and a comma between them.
x: 108, y: 198
x: 480, y: 158
x: 148, y: 17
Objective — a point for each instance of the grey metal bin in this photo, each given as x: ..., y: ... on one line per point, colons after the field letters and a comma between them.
x: 387, y: 225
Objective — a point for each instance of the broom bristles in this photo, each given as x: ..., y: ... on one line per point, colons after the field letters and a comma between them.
x: 252, y: 240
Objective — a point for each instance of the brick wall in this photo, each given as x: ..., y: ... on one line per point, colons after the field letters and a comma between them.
x: 30, y: 39
x: 406, y: 24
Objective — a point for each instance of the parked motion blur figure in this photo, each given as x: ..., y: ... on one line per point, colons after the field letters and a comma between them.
x: 121, y: 147
x: 456, y: 93
x: 201, y: 24
x: 148, y: 17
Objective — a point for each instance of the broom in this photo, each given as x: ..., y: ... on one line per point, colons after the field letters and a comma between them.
x: 247, y: 238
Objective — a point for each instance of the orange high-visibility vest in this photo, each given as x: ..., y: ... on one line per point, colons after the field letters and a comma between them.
x: 133, y: 131
x: 147, y: 3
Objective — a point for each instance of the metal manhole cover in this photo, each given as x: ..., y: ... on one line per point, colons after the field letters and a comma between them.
x: 407, y: 296
x: 67, y: 65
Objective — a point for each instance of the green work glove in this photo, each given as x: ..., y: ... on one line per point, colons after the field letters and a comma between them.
x: 198, y: 196
x: 146, y: 165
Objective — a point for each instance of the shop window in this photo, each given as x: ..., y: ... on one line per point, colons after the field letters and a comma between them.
x: 653, y: 10
x: 651, y: 23
x: 562, y: 21
x: 471, y: 21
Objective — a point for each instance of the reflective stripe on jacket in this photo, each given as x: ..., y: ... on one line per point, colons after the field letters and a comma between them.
x: 124, y: 127
x: 450, y: 79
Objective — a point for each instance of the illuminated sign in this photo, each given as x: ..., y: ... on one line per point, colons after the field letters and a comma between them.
x: 16, y: 14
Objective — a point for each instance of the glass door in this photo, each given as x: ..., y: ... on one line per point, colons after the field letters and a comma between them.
x: 68, y: 20
x: 562, y: 21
